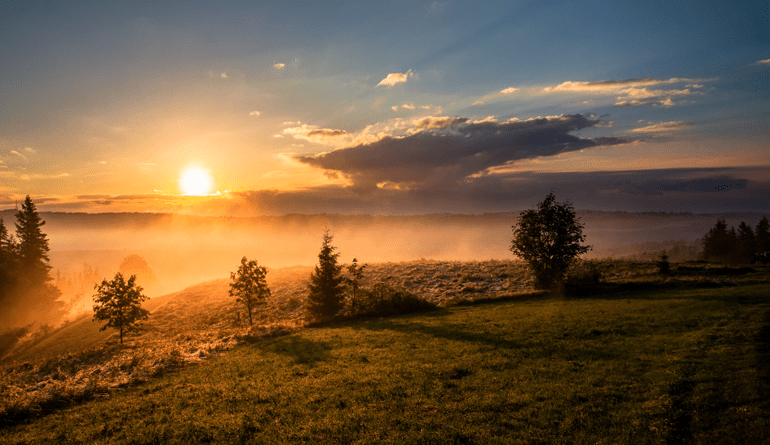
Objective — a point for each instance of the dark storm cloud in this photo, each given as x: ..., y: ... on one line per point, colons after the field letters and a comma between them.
x: 446, y: 150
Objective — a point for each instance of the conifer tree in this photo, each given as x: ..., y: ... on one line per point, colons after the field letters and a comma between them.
x: 8, y: 267
x: 32, y: 242
x: 356, y: 275
x: 744, y: 244
x: 762, y: 236
x: 719, y: 243
x: 325, y: 298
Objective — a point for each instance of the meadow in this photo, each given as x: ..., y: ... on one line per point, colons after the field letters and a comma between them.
x: 638, y: 358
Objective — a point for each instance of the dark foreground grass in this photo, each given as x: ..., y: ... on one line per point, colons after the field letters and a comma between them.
x: 653, y: 366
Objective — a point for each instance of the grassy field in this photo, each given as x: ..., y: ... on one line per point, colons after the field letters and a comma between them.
x: 646, y: 361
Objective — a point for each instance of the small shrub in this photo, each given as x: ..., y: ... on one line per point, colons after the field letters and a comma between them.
x: 664, y: 267
x: 382, y: 299
x: 9, y: 338
x: 582, y: 279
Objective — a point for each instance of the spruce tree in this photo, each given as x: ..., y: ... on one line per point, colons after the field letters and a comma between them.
x: 32, y: 242
x: 762, y: 236
x: 8, y: 266
x: 325, y: 298
x: 719, y: 243
x: 744, y: 244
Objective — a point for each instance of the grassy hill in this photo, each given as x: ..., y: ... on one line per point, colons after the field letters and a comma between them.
x: 639, y: 359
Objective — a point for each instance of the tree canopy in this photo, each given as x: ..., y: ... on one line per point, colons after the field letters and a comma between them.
x: 120, y: 303
x: 249, y: 286
x: 549, y: 240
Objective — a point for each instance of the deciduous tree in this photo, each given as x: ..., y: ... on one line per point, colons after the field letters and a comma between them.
x: 549, y: 240
x: 249, y: 286
x: 120, y: 303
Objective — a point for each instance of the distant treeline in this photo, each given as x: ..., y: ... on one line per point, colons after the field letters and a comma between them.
x: 736, y: 246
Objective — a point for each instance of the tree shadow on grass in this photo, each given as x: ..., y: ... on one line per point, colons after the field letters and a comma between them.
x: 302, y: 350
x: 762, y: 340
x: 447, y: 331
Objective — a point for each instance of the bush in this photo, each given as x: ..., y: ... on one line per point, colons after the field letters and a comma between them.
x: 549, y: 240
x: 382, y: 299
x: 581, y: 279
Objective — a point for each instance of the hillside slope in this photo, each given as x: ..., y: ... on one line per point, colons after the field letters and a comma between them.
x: 661, y: 364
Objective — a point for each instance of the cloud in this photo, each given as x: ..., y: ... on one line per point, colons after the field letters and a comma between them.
x: 30, y: 150
x: 644, y: 93
x: 663, y: 126
x: 509, y: 90
x: 655, y: 103
x: 445, y: 150
x: 478, y: 102
x: 223, y: 75
x: 255, y: 113
x: 432, y: 122
x: 14, y: 152
x: 395, y: 78
x: 279, y: 66
x: 615, y: 85
x: 318, y: 135
x: 408, y: 106
x: 326, y: 133
x: 292, y: 123
x: 635, y: 103
x: 763, y: 62
x: 394, y: 108
x: 633, y: 92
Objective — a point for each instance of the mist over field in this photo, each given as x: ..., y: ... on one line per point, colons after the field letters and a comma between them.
x: 185, y: 250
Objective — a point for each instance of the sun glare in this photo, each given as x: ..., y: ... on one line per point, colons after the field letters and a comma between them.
x: 196, y: 181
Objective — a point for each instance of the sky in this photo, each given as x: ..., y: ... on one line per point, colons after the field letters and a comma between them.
x: 257, y: 108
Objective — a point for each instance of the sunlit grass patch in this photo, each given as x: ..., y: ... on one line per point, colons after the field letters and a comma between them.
x: 660, y: 365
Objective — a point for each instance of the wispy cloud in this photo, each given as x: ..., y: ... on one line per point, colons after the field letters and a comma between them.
x: 408, y: 106
x: 223, y: 75
x: 279, y: 66
x: 14, y: 152
x: 663, y: 126
x: 509, y: 90
x: 602, y: 86
x: 30, y: 150
x: 255, y: 113
x: 312, y: 133
x: 395, y: 78
x: 763, y: 62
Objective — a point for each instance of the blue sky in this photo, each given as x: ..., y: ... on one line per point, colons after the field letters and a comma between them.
x: 387, y: 107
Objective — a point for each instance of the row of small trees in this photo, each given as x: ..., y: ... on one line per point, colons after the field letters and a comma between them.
x: 736, y: 246
x: 327, y: 288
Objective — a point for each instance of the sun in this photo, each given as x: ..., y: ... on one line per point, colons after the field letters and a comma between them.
x: 196, y: 181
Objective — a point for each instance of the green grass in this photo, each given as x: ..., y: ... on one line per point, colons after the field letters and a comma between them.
x: 687, y: 365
